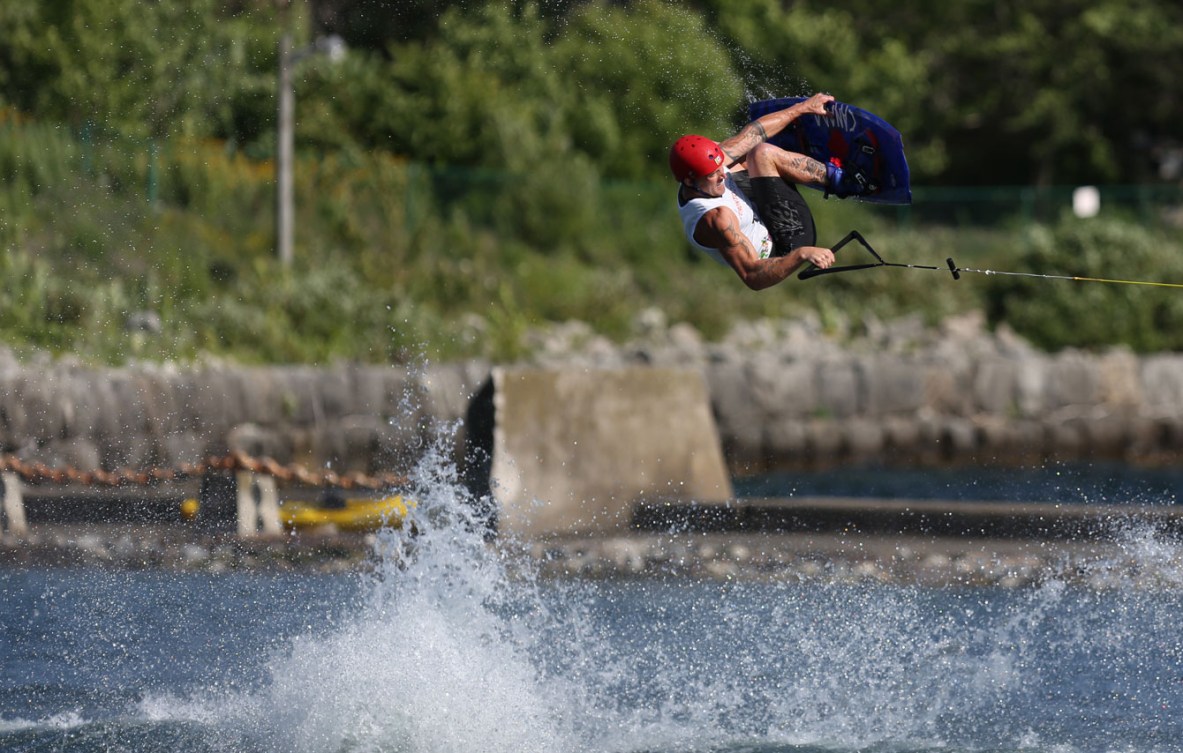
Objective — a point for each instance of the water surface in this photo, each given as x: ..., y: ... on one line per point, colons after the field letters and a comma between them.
x: 448, y: 645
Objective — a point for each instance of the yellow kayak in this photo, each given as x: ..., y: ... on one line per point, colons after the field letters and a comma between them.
x: 364, y: 514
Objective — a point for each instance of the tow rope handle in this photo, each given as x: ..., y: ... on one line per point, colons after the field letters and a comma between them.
x: 853, y: 235
x: 956, y: 271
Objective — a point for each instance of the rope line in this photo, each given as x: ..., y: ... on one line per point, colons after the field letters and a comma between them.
x: 1074, y: 278
x: 956, y: 271
x: 36, y: 472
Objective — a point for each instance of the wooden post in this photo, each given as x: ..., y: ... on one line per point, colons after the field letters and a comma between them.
x: 248, y: 506
x: 258, y: 505
x: 13, y: 518
x: 268, y: 509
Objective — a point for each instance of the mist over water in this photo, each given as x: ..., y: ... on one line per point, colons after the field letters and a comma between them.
x: 457, y: 646
x: 452, y: 643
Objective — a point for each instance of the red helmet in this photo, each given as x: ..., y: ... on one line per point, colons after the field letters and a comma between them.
x: 695, y: 156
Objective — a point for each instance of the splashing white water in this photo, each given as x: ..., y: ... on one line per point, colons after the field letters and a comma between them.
x: 439, y: 658
x: 457, y: 646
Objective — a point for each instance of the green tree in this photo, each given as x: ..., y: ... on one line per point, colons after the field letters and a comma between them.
x: 1039, y: 91
x: 1061, y: 314
x: 143, y: 68
x: 483, y: 93
x: 640, y: 75
x: 984, y: 91
x: 797, y: 50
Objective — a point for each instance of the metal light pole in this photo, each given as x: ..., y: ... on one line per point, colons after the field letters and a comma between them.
x: 334, y: 47
x: 284, y: 153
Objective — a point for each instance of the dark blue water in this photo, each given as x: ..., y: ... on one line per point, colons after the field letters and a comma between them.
x: 450, y: 645
x: 92, y: 644
x: 1072, y: 483
x: 462, y: 658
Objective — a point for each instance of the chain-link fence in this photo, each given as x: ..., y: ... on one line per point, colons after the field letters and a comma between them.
x: 36, y: 159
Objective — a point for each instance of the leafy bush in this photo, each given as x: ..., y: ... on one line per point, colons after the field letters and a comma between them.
x: 1061, y: 313
x: 492, y: 167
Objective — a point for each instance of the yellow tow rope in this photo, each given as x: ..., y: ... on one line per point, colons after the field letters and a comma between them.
x: 1074, y: 278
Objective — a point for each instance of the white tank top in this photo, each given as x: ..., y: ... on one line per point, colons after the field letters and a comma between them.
x: 734, y: 199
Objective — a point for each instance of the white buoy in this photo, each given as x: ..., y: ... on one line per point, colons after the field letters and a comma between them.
x: 1086, y: 202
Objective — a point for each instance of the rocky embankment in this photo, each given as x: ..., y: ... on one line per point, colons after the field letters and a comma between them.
x: 799, y: 393
x: 784, y: 393
x: 1137, y: 558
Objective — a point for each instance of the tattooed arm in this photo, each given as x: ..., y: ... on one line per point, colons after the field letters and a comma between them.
x: 719, y: 229
x: 758, y: 131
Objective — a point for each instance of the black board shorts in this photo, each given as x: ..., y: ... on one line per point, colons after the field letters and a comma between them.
x: 782, y: 209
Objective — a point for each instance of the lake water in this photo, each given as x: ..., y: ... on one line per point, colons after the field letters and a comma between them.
x: 447, y: 645
x: 1071, y: 483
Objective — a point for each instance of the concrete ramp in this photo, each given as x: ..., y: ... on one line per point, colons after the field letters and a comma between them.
x: 575, y: 450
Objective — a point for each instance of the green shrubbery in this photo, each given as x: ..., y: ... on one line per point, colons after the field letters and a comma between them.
x: 1057, y: 314
x: 398, y: 260
x: 496, y: 166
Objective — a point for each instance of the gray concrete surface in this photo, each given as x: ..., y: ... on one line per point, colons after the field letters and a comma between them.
x: 574, y: 450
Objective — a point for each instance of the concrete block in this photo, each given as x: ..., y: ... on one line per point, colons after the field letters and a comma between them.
x: 1162, y: 384
x: 447, y: 390
x: 825, y: 440
x: 782, y: 388
x: 184, y: 448
x: 185, y: 391
x: 79, y: 394
x: 38, y: 391
x: 299, y: 396
x: 893, y: 386
x: 865, y: 439
x: 132, y: 414
x: 80, y: 453
x: 159, y: 403
x: 994, y: 386
x: 838, y: 389
x: 573, y: 451
x: 740, y: 419
x: 369, y: 389
x: 786, y: 438
x: 216, y: 403
x: 262, y: 400
x: 1074, y: 379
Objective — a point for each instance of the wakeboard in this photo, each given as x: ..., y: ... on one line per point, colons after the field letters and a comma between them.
x: 852, y: 139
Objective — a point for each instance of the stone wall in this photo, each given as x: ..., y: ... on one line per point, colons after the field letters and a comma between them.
x: 349, y: 417
x: 984, y: 401
x: 783, y: 393
x: 803, y: 394
x: 592, y: 443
